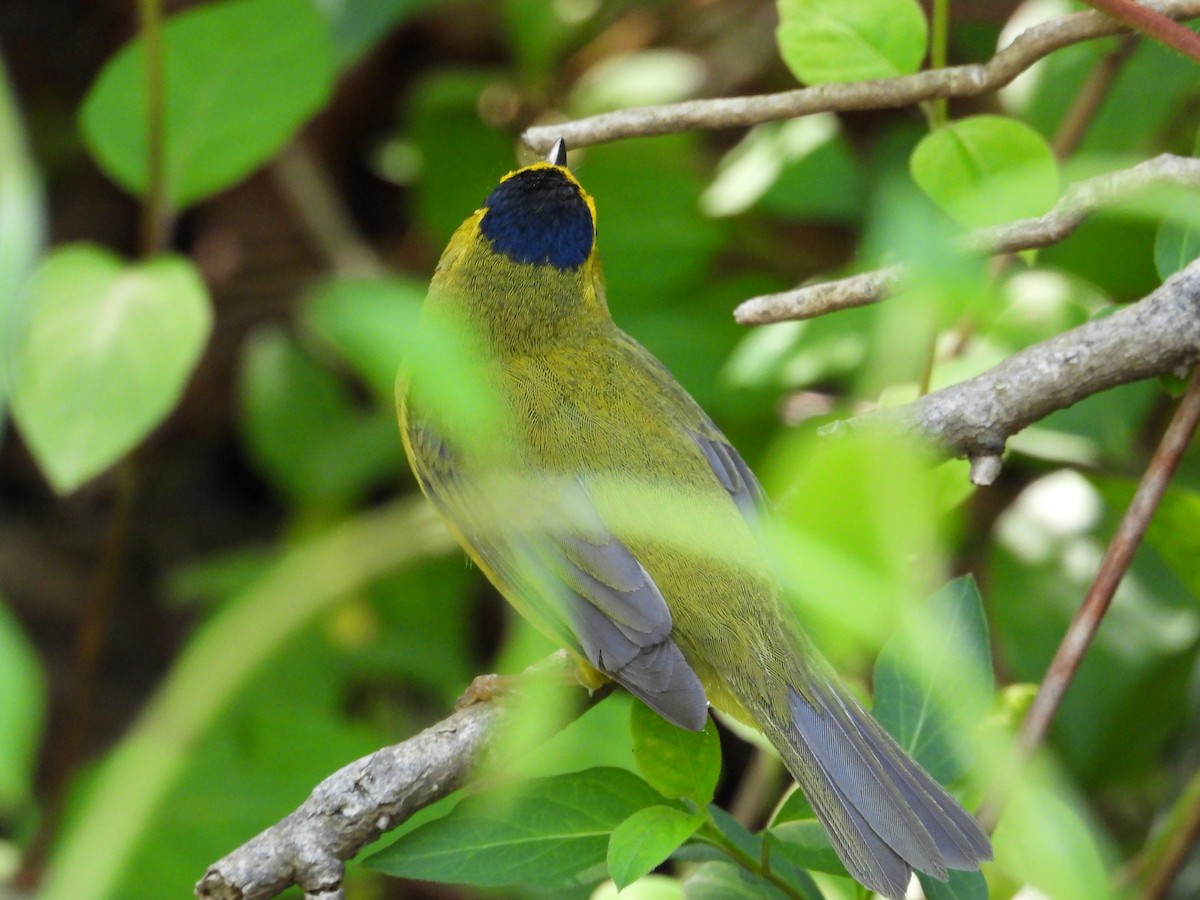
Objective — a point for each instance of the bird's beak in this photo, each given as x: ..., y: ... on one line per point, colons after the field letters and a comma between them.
x: 558, y: 153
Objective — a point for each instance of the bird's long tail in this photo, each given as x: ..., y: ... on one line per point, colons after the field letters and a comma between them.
x: 884, y: 814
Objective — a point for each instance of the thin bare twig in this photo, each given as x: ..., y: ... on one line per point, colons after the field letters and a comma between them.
x: 368, y: 797
x: 974, y: 418
x: 956, y: 81
x: 1112, y: 568
x: 1096, y: 602
x: 1080, y: 200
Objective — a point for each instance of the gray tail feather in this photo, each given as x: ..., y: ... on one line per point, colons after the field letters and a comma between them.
x: 884, y: 814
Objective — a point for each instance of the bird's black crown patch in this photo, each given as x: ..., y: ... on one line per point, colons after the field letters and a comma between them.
x: 538, y: 216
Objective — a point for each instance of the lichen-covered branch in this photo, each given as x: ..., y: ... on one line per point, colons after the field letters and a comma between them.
x: 1079, y: 201
x: 1157, y: 335
x: 956, y: 81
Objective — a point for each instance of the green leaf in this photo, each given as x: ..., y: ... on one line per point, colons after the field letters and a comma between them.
x: 678, y: 763
x: 851, y: 40
x: 105, y: 355
x: 985, y: 170
x: 1177, y: 241
x: 356, y: 25
x: 652, y: 887
x: 958, y: 886
x: 22, y: 708
x: 806, y: 845
x: 370, y: 323
x: 22, y: 228
x: 735, y: 832
x: 726, y: 881
x: 1044, y: 841
x: 542, y: 833
x: 932, y: 692
x: 304, y: 429
x: 645, y: 840
x: 241, y: 76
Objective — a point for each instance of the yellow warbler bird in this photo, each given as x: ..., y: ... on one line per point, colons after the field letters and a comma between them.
x: 612, y: 512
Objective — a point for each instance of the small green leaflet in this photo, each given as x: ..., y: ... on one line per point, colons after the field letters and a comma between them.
x: 646, y: 839
x: 851, y: 40
x: 676, y: 762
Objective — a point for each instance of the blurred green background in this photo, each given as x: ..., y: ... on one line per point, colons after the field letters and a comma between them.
x: 255, y: 595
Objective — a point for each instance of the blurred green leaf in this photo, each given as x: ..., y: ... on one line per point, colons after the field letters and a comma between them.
x: 22, y: 230
x: 1177, y: 242
x: 678, y: 763
x: 645, y: 840
x: 246, y: 772
x: 933, y: 681
x: 304, y: 429
x: 241, y: 76
x: 355, y: 26
x: 985, y: 170
x: 726, y: 881
x: 851, y: 575
x: 541, y: 833
x: 461, y: 158
x: 851, y: 40
x: 1043, y: 841
x: 116, y: 811
x: 958, y: 885
x: 370, y: 324
x: 22, y: 709
x: 654, y: 246
x: 105, y: 356
x: 652, y: 887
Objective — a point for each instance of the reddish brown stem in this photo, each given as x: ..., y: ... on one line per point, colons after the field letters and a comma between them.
x: 1116, y: 562
x: 1151, y: 23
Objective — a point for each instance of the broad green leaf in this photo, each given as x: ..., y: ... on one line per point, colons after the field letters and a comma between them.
x: 958, y: 885
x: 1177, y: 241
x: 541, y: 833
x: 806, y: 845
x: 985, y: 170
x: 726, y: 881
x: 22, y: 228
x: 678, y: 763
x: 304, y: 429
x: 933, y: 681
x: 105, y: 355
x: 241, y: 76
x: 22, y: 707
x: 851, y: 40
x: 644, y: 840
x: 795, y: 808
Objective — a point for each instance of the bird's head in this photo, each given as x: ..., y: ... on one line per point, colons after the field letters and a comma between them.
x: 541, y: 215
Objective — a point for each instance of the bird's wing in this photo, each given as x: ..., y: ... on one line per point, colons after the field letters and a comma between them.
x: 566, y: 567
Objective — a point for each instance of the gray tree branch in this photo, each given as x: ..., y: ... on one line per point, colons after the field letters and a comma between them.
x: 1159, y: 334
x: 955, y: 81
x: 372, y: 795
x: 1079, y: 201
